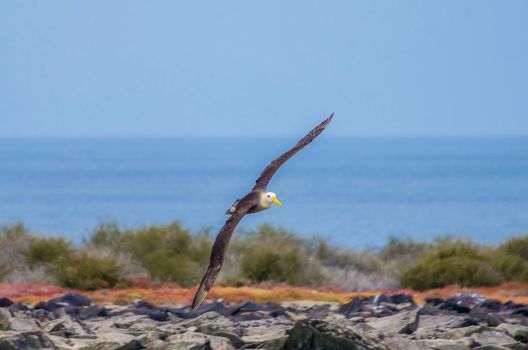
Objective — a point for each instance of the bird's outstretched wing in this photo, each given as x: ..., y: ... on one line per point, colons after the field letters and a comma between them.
x: 267, y: 173
x: 220, y: 247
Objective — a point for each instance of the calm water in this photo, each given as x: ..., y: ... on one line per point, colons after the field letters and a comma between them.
x: 356, y: 192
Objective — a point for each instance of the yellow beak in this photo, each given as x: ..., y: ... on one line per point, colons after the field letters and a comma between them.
x: 276, y: 201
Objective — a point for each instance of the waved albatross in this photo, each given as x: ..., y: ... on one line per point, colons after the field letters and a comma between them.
x: 256, y: 200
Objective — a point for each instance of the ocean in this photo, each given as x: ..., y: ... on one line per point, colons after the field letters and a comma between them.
x: 356, y: 192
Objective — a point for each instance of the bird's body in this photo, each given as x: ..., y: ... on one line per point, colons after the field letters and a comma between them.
x: 256, y: 200
x: 261, y: 201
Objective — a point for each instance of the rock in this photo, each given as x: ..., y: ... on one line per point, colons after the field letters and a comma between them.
x: 233, y: 338
x: 21, y: 324
x: 25, y: 340
x: 92, y: 311
x: 401, y: 299
x: 5, y: 315
x: 67, y: 327
x: 188, y: 340
x: 492, y: 304
x: 402, y: 343
x: 265, y: 337
x: 355, y: 325
x: 430, y: 326
x: 463, y: 332
x: 463, y: 303
x: 246, y: 306
x: 445, y: 344
x: 518, y: 332
x: 402, y: 323
x: 274, y: 310
x: 317, y: 311
x: 317, y: 334
x: 219, y: 343
x: 72, y: 299
x: 5, y: 302
x: 216, y: 306
x: 353, y: 306
x: 178, y: 312
x: 434, y: 301
x: 119, y: 342
x: 493, y: 337
x: 493, y: 320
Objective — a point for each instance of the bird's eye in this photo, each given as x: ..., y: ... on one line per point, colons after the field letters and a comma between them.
x: 269, y: 196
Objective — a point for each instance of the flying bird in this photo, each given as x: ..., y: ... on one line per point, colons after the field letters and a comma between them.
x: 256, y: 200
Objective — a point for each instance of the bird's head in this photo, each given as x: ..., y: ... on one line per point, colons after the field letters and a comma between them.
x: 271, y: 197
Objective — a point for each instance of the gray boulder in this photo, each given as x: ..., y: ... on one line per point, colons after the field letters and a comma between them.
x: 494, y: 338
x: 319, y: 335
x: 401, y: 323
x: 35, y: 340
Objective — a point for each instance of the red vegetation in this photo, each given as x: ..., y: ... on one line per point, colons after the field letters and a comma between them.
x: 167, y: 294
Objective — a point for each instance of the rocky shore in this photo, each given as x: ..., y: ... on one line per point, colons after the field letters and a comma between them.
x: 72, y: 321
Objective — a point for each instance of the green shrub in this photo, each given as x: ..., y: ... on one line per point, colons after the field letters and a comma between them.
x: 107, y: 235
x: 512, y: 267
x: 465, y: 272
x: 88, y: 272
x: 169, y: 253
x: 517, y: 246
x: 42, y: 251
x: 405, y: 249
x: 273, y: 254
x: 452, y: 262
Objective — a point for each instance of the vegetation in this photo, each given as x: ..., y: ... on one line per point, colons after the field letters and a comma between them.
x: 113, y: 256
x: 88, y: 272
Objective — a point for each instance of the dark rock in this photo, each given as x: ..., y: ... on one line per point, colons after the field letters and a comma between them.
x: 492, y: 304
x: 463, y: 303
x: 317, y: 334
x: 71, y: 309
x: 353, y: 306
x: 139, y: 304
x: 72, y: 299
x: 178, y: 312
x: 216, y: 306
x: 275, y: 310
x: 382, y: 310
x: 401, y: 298
x: 246, y: 306
x: 5, y: 302
x: 92, y: 311
x: 434, y: 301
x: 16, y: 307
x: 159, y: 315
x: 317, y: 311
x: 381, y: 298
x: 509, y: 305
x: 516, y: 309
x: 40, y: 305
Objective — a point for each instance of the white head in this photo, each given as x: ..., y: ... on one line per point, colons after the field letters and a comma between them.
x: 269, y: 198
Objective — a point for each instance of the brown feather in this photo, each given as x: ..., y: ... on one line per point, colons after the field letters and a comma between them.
x: 267, y: 173
x: 220, y: 247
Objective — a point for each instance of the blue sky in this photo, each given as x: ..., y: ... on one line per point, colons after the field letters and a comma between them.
x: 233, y: 68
